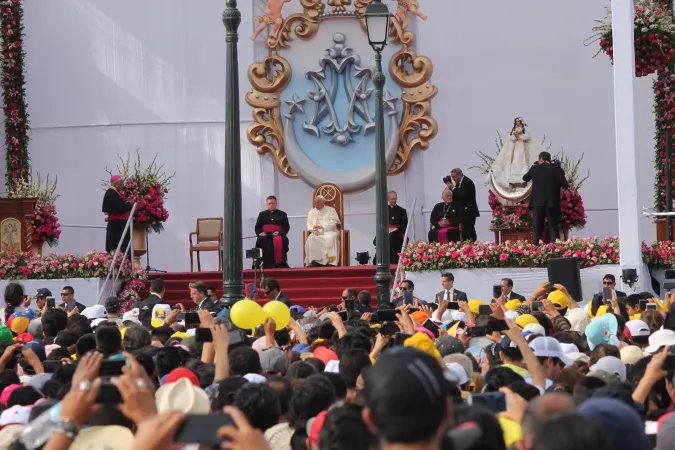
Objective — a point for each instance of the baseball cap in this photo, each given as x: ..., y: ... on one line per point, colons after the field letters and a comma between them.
x: 511, y: 305
x: 638, y: 328
x: 406, y: 390
x: 131, y: 316
x: 112, y: 303
x: 524, y: 319
x: 474, y: 306
x: 6, y: 336
x: 548, y: 347
x: 297, y: 309
x: 447, y: 345
x: 43, y: 292
x: 159, y: 313
x: 660, y: 338
x: 273, y: 360
x: 612, y: 365
x: 95, y: 312
x: 609, y: 379
x: 456, y: 373
x: 558, y: 298
x: 631, y: 354
x: 535, y: 328
x: 181, y: 372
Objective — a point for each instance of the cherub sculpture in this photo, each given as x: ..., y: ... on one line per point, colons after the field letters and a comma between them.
x: 272, y: 16
x: 339, y: 5
x: 408, y: 5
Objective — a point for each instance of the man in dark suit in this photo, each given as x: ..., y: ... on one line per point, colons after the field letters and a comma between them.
x: 507, y: 291
x: 449, y: 292
x: 272, y: 290
x: 199, y: 293
x: 547, y: 181
x: 272, y: 230
x: 464, y: 191
x: 610, y: 281
x: 69, y: 303
x: 157, y: 290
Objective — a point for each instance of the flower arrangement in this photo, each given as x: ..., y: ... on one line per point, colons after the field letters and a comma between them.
x: 46, y: 227
x: 659, y: 254
x: 14, y: 105
x: 147, y: 186
x: 510, y: 217
x: 95, y: 264
x: 131, y: 289
x: 654, y: 32
x: 421, y: 256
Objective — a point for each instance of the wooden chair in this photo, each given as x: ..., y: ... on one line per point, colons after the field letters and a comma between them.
x: 209, y: 233
x: 333, y: 195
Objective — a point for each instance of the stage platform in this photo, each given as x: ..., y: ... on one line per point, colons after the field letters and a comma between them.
x: 307, y: 286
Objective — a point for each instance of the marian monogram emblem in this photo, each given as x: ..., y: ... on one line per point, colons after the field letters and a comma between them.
x: 317, y: 120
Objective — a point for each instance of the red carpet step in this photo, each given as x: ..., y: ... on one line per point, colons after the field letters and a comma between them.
x: 312, y: 286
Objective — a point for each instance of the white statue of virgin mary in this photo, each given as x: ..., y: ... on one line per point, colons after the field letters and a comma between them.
x: 515, y: 158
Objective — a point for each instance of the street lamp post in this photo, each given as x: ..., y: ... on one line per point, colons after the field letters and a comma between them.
x: 377, y: 23
x: 233, y: 253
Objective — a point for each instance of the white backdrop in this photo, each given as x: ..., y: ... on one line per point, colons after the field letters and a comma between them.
x: 108, y: 77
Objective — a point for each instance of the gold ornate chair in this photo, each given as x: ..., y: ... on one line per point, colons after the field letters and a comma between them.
x: 333, y: 195
x: 209, y: 234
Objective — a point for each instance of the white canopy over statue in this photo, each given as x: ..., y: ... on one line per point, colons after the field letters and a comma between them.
x: 518, y: 153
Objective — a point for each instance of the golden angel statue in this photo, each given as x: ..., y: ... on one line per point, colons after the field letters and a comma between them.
x: 339, y: 5
x: 408, y: 5
x: 272, y: 16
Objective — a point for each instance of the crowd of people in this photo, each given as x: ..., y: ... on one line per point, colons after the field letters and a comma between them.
x: 529, y: 372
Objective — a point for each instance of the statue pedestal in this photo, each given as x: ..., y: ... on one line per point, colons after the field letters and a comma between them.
x: 525, y: 234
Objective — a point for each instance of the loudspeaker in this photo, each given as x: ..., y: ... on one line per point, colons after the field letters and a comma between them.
x: 566, y: 271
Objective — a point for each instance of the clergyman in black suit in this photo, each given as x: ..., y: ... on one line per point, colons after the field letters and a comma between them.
x: 157, y: 291
x: 464, y: 191
x: 449, y: 292
x: 547, y: 181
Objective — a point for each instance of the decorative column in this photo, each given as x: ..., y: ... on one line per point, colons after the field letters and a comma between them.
x: 629, y: 209
x: 233, y: 254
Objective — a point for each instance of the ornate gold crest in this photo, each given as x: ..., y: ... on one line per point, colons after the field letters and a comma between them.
x: 270, y: 76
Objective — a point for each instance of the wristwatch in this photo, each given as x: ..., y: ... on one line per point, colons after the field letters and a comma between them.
x: 67, y: 428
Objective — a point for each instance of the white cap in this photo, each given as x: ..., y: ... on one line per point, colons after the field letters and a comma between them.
x: 638, y: 328
x: 512, y: 315
x: 95, y: 312
x: 456, y: 373
x: 661, y: 338
x: 610, y: 364
x: 578, y: 356
x: 569, y: 348
x: 255, y: 378
x: 131, y: 316
x: 535, y: 328
x: 548, y: 347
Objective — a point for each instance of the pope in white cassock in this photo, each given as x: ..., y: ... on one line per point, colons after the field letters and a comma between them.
x: 322, y: 245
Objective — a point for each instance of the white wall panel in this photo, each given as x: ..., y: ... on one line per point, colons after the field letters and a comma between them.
x: 107, y: 77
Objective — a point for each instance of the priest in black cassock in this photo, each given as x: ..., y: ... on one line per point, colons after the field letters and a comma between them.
x: 446, y: 220
x: 398, y: 222
x: 117, y: 212
x: 272, y: 230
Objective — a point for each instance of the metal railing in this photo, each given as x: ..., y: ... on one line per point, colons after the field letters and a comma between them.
x: 128, y: 227
x: 411, y: 223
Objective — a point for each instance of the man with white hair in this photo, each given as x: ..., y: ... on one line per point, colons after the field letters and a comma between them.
x: 322, y: 245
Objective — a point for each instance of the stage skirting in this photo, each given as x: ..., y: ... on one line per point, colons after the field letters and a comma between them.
x: 477, y: 283
x: 86, y: 289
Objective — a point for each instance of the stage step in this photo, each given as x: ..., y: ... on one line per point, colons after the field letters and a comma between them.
x: 315, y: 286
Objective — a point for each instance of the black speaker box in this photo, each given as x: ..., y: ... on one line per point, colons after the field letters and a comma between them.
x: 566, y: 271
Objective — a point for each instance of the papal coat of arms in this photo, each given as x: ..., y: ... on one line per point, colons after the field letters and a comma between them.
x: 313, y: 101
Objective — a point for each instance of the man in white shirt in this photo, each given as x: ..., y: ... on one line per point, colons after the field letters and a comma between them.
x: 322, y: 245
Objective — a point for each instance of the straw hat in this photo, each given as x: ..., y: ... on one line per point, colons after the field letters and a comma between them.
x: 182, y: 396
x: 110, y: 437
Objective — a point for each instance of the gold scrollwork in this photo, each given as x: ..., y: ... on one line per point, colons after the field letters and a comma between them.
x: 271, y: 76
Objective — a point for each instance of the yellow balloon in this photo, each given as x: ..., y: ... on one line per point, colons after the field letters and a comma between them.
x: 279, y: 312
x: 247, y: 314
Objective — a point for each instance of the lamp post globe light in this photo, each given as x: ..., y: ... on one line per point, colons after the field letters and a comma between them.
x: 233, y: 246
x: 377, y: 24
